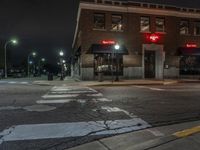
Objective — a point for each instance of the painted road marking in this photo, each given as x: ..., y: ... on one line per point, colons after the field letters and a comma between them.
x: 73, y: 129
x: 61, y: 101
x: 187, y: 132
x: 95, y: 95
x: 12, y: 82
x: 70, y: 92
x: 116, y: 109
x: 59, y: 96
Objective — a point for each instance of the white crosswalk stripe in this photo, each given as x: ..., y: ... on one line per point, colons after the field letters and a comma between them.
x: 15, y: 82
x: 66, y: 94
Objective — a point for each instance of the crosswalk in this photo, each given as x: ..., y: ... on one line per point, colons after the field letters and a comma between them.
x: 67, y: 94
x: 95, y: 127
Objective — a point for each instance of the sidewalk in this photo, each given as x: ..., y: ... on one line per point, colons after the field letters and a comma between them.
x: 72, y: 81
x: 185, y: 136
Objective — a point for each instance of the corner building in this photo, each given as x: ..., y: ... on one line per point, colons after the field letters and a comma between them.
x: 153, y: 41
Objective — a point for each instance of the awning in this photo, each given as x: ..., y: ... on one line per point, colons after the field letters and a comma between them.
x: 182, y: 51
x: 100, y: 49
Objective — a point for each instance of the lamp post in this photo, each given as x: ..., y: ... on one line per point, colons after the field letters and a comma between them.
x: 28, y: 62
x: 42, y: 60
x: 116, y: 47
x: 61, y: 53
x: 13, y: 41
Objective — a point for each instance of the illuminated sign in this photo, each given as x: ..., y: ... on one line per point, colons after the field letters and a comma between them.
x: 153, y: 37
x: 191, y: 45
x: 109, y: 42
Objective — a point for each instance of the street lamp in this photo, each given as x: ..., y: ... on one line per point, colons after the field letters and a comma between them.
x: 61, y: 53
x: 30, y: 62
x: 116, y: 47
x: 42, y: 60
x: 13, y: 41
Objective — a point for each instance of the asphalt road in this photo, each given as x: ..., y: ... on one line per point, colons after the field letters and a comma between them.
x: 37, y: 117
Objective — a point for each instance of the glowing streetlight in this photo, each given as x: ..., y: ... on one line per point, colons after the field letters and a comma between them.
x: 30, y: 62
x: 12, y: 41
x: 61, y: 53
x: 117, y: 47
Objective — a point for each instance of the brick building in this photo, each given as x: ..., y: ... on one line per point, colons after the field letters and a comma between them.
x: 135, y: 40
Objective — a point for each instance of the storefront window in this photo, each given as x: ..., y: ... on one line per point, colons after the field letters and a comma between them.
x: 197, y: 28
x: 117, y: 23
x: 99, y: 21
x: 190, y: 65
x: 184, y: 27
x: 144, y: 24
x: 104, y: 62
x: 160, y: 25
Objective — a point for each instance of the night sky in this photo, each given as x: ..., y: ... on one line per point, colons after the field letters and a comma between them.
x: 41, y: 25
x: 47, y: 25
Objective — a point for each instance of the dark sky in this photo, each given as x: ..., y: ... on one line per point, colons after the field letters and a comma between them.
x: 47, y: 25
x: 42, y: 25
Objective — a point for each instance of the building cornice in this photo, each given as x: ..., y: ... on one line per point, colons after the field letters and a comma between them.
x: 143, y: 8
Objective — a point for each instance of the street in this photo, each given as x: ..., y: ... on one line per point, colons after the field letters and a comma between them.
x: 38, y: 117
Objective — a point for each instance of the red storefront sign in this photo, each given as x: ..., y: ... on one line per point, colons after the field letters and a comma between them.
x: 108, y: 42
x: 153, y: 37
x: 191, y: 45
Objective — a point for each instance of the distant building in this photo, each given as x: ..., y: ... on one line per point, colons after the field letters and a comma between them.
x: 136, y: 40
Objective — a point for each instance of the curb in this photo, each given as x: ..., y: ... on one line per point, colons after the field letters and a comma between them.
x: 164, y: 140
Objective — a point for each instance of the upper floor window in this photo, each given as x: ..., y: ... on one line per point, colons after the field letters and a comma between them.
x: 99, y: 21
x: 184, y: 27
x: 117, y: 23
x: 197, y: 28
x: 160, y: 25
x: 144, y: 24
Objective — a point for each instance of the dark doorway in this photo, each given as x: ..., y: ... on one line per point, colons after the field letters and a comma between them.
x: 149, y: 64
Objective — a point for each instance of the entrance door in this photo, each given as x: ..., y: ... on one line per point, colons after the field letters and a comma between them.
x: 149, y: 64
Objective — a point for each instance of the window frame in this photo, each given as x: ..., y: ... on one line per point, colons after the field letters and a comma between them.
x: 104, y: 24
x: 156, y: 27
x: 117, y: 30
x: 149, y: 28
x: 188, y: 27
x: 195, y: 32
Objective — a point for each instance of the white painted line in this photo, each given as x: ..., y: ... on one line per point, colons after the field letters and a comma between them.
x: 102, y: 99
x: 71, y: 92
x: 12, y: 82
x: 116, y: 109
x: 74, y: 129
x: 59, y: 96
x: 157, y: 89
x: 61, y: 101
x: 95, y: 95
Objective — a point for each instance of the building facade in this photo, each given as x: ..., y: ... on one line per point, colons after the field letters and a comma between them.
x: 135, y: 40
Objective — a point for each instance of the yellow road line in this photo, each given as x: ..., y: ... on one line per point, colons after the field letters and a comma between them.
x: 187, y: 132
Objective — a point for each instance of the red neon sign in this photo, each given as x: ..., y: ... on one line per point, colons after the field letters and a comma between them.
x: 191, y: 45
x: 109, y: 42
x: 153, y: 37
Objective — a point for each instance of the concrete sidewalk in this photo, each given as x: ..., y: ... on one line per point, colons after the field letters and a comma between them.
x: 183, y: 136
x: 74, y: 81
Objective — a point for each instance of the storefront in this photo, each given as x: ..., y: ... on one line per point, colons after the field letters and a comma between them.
x: 108, y: 58
x: 189, y: 61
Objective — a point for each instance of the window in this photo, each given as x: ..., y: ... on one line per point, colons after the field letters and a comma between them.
x: 99, y: 21
x: 184, y: 27
x: 117, y: 23
x: 104, y: 62
x: 160, y: 25
x: 197, y: 28
x: 144, y: 24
